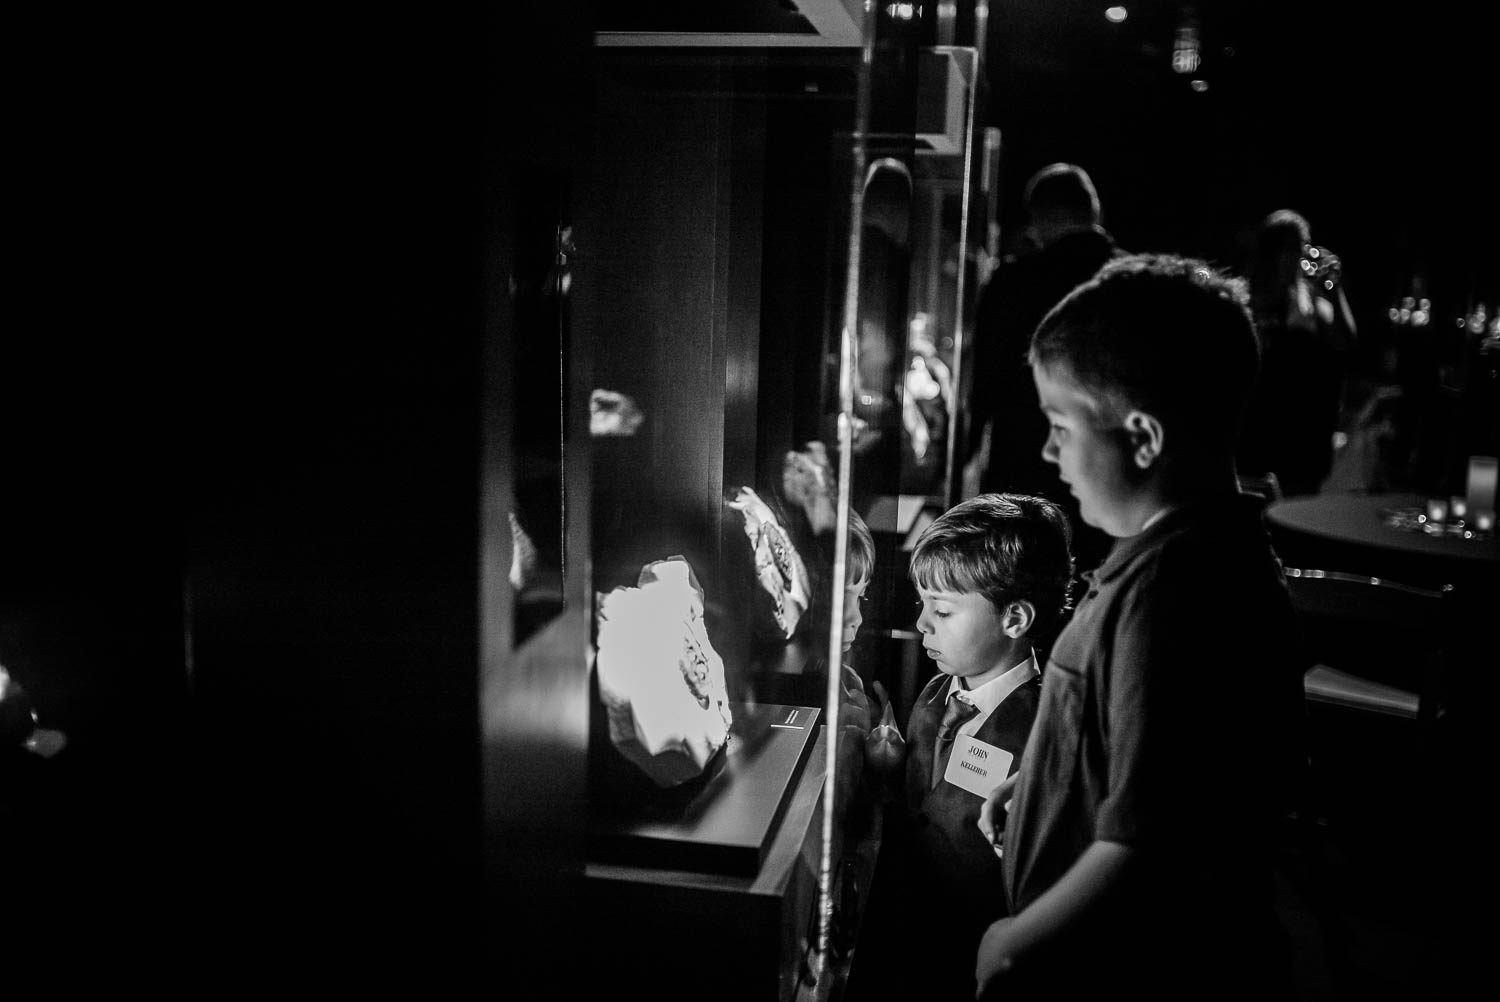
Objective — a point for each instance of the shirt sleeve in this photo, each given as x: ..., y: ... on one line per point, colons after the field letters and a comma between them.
x: 1146, y: 700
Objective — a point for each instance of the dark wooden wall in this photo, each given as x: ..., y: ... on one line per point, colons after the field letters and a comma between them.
x: 243, y: 500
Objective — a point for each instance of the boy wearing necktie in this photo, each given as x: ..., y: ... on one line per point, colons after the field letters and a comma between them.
x: 993, y: 576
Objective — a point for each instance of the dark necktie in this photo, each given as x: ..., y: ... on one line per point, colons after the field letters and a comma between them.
x: 954, y: 714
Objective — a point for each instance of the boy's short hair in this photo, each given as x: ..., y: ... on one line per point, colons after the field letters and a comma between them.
x: 1167, y: 335
x: 859, y: 566
x: 1006, y: 547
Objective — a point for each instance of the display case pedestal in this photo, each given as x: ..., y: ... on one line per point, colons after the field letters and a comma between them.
x: 728, y: 825
x: 715, y: 935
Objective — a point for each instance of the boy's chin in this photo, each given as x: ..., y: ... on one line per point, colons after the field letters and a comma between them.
x: 1104, y: 525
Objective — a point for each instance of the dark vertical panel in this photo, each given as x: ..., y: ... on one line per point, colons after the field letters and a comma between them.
x: 334, y: 514
x: 651, y: 301
x: 91, y: 490
x: 741, y: 215
x: 808, y: 122
x: 535, y: 413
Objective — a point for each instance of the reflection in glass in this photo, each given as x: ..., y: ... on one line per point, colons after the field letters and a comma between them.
x: 539, y: 289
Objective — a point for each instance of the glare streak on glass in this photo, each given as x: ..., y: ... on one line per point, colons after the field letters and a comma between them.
x: 841, y: 522
x: 955, y: 475
x: 563, y: 280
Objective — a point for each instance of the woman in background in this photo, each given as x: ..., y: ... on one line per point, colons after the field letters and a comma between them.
x: 1306, y: 329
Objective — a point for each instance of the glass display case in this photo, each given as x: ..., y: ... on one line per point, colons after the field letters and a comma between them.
x: 740, y: 315
x: 712, y: 220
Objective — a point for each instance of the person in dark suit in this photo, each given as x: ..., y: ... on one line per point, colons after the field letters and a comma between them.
x: 1068, y: 245
x: 993, y: 575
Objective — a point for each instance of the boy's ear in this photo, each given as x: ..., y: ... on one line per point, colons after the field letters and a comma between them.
x: 1146, y: 435
x: 1017, y: 617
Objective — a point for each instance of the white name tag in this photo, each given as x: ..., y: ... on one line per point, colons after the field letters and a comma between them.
x: 976, y: 766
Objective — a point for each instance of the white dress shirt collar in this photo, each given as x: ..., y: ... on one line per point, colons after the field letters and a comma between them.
x: 992, y: 693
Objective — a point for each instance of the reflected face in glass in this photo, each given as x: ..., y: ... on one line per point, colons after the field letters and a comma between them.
x: 962, y: 632
x: 854, y: 616
x: 1091, y: 451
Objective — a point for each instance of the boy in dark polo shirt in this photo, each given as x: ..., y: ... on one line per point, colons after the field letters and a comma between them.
x: 993, y: 575
x: 1139, y: 839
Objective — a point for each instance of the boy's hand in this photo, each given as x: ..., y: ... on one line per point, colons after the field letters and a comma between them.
x: 995, y: 951
x: 990, y: 821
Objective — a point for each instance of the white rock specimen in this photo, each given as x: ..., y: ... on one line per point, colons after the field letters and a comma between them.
x: 661, y: 680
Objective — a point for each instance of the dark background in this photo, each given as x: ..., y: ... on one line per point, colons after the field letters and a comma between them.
x: 247, y: 296
x: 1369, y: 121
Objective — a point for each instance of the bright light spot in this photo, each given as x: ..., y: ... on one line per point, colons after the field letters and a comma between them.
x: 1117, y: 14
x: 1185, y: 57
x: 613, y: 414
x: 1395, y: 315
x: 902, y: 11
x: 1200, y: 86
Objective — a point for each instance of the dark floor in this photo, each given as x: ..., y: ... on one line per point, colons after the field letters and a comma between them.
x: 1360, y: 928
x: 1356, y: 925
x: 1374, y: 882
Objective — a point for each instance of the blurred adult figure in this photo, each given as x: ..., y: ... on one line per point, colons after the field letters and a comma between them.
x: 1306, y: 331
x: 1067, y: 245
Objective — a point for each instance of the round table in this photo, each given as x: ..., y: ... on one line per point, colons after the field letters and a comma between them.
x: 1349, y: 532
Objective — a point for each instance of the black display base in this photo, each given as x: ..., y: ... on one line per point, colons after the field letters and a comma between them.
x: 729, y: 823
x: 668, y: 932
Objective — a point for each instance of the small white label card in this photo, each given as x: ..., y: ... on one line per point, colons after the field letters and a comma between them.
x: 976, y: 766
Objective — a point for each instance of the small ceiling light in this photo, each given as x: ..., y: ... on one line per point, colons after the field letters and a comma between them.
x: 1116, y: 14
x: 1200, y: 86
